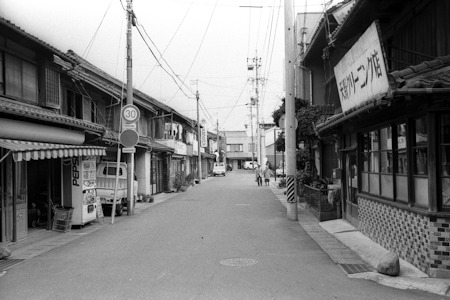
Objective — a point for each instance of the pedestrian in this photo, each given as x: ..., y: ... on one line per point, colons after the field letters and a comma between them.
x: 267, y: 173
x: 258, y: 173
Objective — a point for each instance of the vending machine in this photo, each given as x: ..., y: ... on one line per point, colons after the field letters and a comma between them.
x: 83, y: 190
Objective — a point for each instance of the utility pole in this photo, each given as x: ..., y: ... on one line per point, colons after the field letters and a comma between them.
x: 199, y: 168
x: 256, y: 65
x: 130, y: 159
x: 291, y: 192
x: 217, y: 137
x: 251, y: 128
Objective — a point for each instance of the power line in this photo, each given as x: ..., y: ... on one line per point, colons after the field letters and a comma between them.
x: 200, y: 46
x: 91, y: 42
x: 173, y: 78
x: 235, y: 102
x: 168, y: 44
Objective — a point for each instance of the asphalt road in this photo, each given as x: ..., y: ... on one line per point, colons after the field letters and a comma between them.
x: 224, y: 239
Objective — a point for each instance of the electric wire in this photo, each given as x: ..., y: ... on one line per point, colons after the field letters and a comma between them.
x: 170, y: 42
x: 91, y: 42
x: 239, y: 97
x: 161, y: 55
x: 200, y: 46
x: 171, y: 76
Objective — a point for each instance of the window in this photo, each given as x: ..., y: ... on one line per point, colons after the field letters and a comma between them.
x: 401, y: 159
x: 420, y: 161
x: 234, y: 148
x: 378, y: 156
x: 51, y: 88
x: 445, y: 159
x: 2, y: 79
x: 74, y: 104
x: 21, y: 79
x: 251, y: 147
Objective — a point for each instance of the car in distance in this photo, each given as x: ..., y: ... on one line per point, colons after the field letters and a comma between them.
x: 250, y: 165
x: 219, y: 169
x: 280, y: 172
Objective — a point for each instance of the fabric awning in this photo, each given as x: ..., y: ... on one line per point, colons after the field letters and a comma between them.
x: 25, y: 150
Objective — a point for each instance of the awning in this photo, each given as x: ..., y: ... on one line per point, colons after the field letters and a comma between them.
x: 25, y: 150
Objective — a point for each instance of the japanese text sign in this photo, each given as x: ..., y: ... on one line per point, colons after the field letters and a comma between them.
x: 361, y: 74
x: 203, y: 137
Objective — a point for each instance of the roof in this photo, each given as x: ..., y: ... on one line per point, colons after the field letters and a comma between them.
x: 318, y: 39
x: 111, y: 136
x: 38, y: 113
x: 427, y: 77
x: 32, y: 38
x: 110, y: 84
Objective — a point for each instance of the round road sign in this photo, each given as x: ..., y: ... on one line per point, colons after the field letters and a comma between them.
x: 129, y: 138
x: 282, y: 122
x: 130, y: 113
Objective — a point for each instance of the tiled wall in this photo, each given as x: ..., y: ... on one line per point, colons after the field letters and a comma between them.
x: 406, y: 233
x: 439, y: 247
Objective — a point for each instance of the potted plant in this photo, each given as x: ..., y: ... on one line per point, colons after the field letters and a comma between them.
x: 179, y: 181
x: 190, y: 179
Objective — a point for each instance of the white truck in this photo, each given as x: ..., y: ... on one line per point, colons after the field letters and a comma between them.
x: 106, y: 180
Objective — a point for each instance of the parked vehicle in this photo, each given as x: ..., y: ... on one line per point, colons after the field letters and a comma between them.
x: 106, y: 180
x: 219, y: 169
x: 280, y: 172
x: 250, y: 165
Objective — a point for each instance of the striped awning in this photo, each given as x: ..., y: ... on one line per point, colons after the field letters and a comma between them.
x: 25, y: 150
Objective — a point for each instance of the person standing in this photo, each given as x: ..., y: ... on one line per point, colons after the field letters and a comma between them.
x: 258, y: 173
x: 266, y: 174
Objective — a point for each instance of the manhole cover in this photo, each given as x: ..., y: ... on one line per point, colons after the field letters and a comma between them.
x: 238, y: 262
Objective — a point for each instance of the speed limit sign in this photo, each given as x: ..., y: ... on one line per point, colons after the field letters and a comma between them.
x: 130, y: 113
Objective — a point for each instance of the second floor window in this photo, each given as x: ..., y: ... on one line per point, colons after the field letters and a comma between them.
x: 235, y: 148
x: 21, y: 79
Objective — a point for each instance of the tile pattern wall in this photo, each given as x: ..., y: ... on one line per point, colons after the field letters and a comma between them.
x: 439, y: 247
x: 406, y: 233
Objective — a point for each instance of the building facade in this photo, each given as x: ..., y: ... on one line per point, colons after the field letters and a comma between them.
x: 389, y: 78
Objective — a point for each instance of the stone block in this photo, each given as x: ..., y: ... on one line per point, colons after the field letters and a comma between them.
x: 389, y: 264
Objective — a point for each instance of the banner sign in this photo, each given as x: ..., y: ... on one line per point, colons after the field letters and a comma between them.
x: 203, y: 137
x: 361, y: 74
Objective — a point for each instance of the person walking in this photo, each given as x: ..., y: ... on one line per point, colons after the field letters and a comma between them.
x: 258, y: 173
x: 266, y: 174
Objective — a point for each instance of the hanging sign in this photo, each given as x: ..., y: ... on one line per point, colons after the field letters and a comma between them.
x: 203, y: 137
x: 361, y: 74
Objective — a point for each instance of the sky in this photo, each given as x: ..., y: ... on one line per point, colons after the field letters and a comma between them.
x: 197, y: 45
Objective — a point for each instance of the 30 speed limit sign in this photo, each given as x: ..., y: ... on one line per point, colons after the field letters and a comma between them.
x: 130, y: 113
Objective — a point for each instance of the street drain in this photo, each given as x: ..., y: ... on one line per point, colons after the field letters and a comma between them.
x: 238, y: 262
x: 8, y: 263
x: 355, y: 268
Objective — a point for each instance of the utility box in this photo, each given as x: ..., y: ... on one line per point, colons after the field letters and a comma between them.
x: 337, y: 173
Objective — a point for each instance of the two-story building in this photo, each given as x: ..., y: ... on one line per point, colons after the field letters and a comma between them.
x: 386, y: 66
x: 46, y: 153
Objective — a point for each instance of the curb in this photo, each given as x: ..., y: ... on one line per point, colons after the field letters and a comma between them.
x: 412, y: 279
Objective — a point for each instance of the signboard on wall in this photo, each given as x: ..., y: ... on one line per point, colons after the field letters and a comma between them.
x: 203, y: 137
x: 361, y: 74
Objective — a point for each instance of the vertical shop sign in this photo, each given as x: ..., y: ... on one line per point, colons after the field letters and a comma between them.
x: 203, y: 138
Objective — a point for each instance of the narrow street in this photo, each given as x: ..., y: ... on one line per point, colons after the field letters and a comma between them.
x: 224, y: 239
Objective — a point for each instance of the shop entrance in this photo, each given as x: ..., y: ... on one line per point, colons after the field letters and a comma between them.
x: 44, y: 183
x: 350, y: 185
x: 13, y: 214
